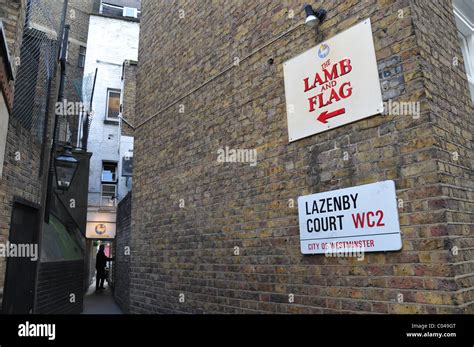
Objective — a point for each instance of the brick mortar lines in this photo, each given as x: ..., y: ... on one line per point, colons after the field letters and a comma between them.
x: 304, y: 32
x: 323, y: 297
x: 400, y: 191
x: 297, y: 235
x: 163, y: 197
x: 248, y: 101
x: 301, y: 305
x: 289, y: 152
x: 286, y: 274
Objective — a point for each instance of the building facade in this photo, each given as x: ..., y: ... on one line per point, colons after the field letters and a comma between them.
x: 112, y: 45
x: 12, y: 18
x: 223, y: 237
x: 48, y: 279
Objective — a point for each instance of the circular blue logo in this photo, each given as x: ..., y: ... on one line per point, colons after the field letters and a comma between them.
x: 100, y: 229
x: 323, y: 51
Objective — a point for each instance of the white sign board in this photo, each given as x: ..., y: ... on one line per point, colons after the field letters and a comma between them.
x: 363, y: 218
x: 333, y: 84
x: 100, y: 230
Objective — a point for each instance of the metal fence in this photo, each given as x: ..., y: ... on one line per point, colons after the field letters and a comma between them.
x: 37, y: 65
x: 87, y: 94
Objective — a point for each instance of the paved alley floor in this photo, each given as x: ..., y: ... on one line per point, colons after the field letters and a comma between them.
x: 100, y: 302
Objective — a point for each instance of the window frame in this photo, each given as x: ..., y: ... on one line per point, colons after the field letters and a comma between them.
x: 82, y: 57
x: 113, y: 183
x: 135, y: 14
x: 102, y: 197
x: 112, y: 163
x: 112, y: 6
x: 112, y: 119
x: 466, y: 40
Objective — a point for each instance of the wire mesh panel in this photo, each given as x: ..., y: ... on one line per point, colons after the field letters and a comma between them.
x: 86, y: 97
x: 86, y: 88
x: 37, y: 62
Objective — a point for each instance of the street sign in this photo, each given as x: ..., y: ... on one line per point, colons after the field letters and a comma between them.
x: 363, y: 218
x: 333, y: 84
x: 100, y: 230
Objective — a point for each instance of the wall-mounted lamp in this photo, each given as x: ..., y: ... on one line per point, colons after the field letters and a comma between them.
x: 313, y: 18
x: 65, y: 165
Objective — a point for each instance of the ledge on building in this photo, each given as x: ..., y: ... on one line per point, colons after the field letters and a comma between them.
x: 111, y: 122
x: 127, y: 19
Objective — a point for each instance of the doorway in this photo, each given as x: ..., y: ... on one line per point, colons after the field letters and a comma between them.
x: 20, y: 278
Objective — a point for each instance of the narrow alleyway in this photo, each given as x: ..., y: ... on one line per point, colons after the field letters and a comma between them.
x: 100, y: 303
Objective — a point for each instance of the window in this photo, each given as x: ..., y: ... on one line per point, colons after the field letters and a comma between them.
x: 109, y: 194
x: 82, y: 56
x: 130, y: 12
x: 127, y: 166
x: 468, y: 59
x: 109, y: 172
x: 111, y: 10
x: 118, y: 11
x: 464, y: 16
x: 108, y: 183
x: 113, y: 104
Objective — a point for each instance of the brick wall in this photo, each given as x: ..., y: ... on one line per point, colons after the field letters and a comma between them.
x: 26, y: 160
x: 122, y: 254
x: 20, y: 178
x: 60, y: 287
x: 12, y: 14
x: 450, y: 113
x: 48, y: 14
x: 187, y: 251
x: 78, y: 18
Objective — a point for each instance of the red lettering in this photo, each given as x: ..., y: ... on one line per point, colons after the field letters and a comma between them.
x: 334, y: 97
x: 345, y: 66
x: 337, y: 70
x: 313, y: 103
x: 331, y: 76
x: 347, y: 92
x: 326, y: 64
x: 369, y: 223
x: 380, y: 214
x: 318, y: 80
x: 358, y: 220
x: 306, y: 85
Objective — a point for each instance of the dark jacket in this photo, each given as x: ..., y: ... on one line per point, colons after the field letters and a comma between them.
x: 101, y: 261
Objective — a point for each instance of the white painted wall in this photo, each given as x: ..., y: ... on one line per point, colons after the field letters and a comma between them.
x: 110, y: 42
x: 126, y: 150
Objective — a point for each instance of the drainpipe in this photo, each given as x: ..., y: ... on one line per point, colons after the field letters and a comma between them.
x: 62, y: 61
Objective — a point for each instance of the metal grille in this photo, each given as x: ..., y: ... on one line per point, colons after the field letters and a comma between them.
x: 87, y: 91
x: 36, y: 65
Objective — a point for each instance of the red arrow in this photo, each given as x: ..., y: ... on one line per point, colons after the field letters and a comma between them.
x: 323, y: 117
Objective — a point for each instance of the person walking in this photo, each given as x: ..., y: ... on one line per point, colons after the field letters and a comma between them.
x: 100, y: 264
